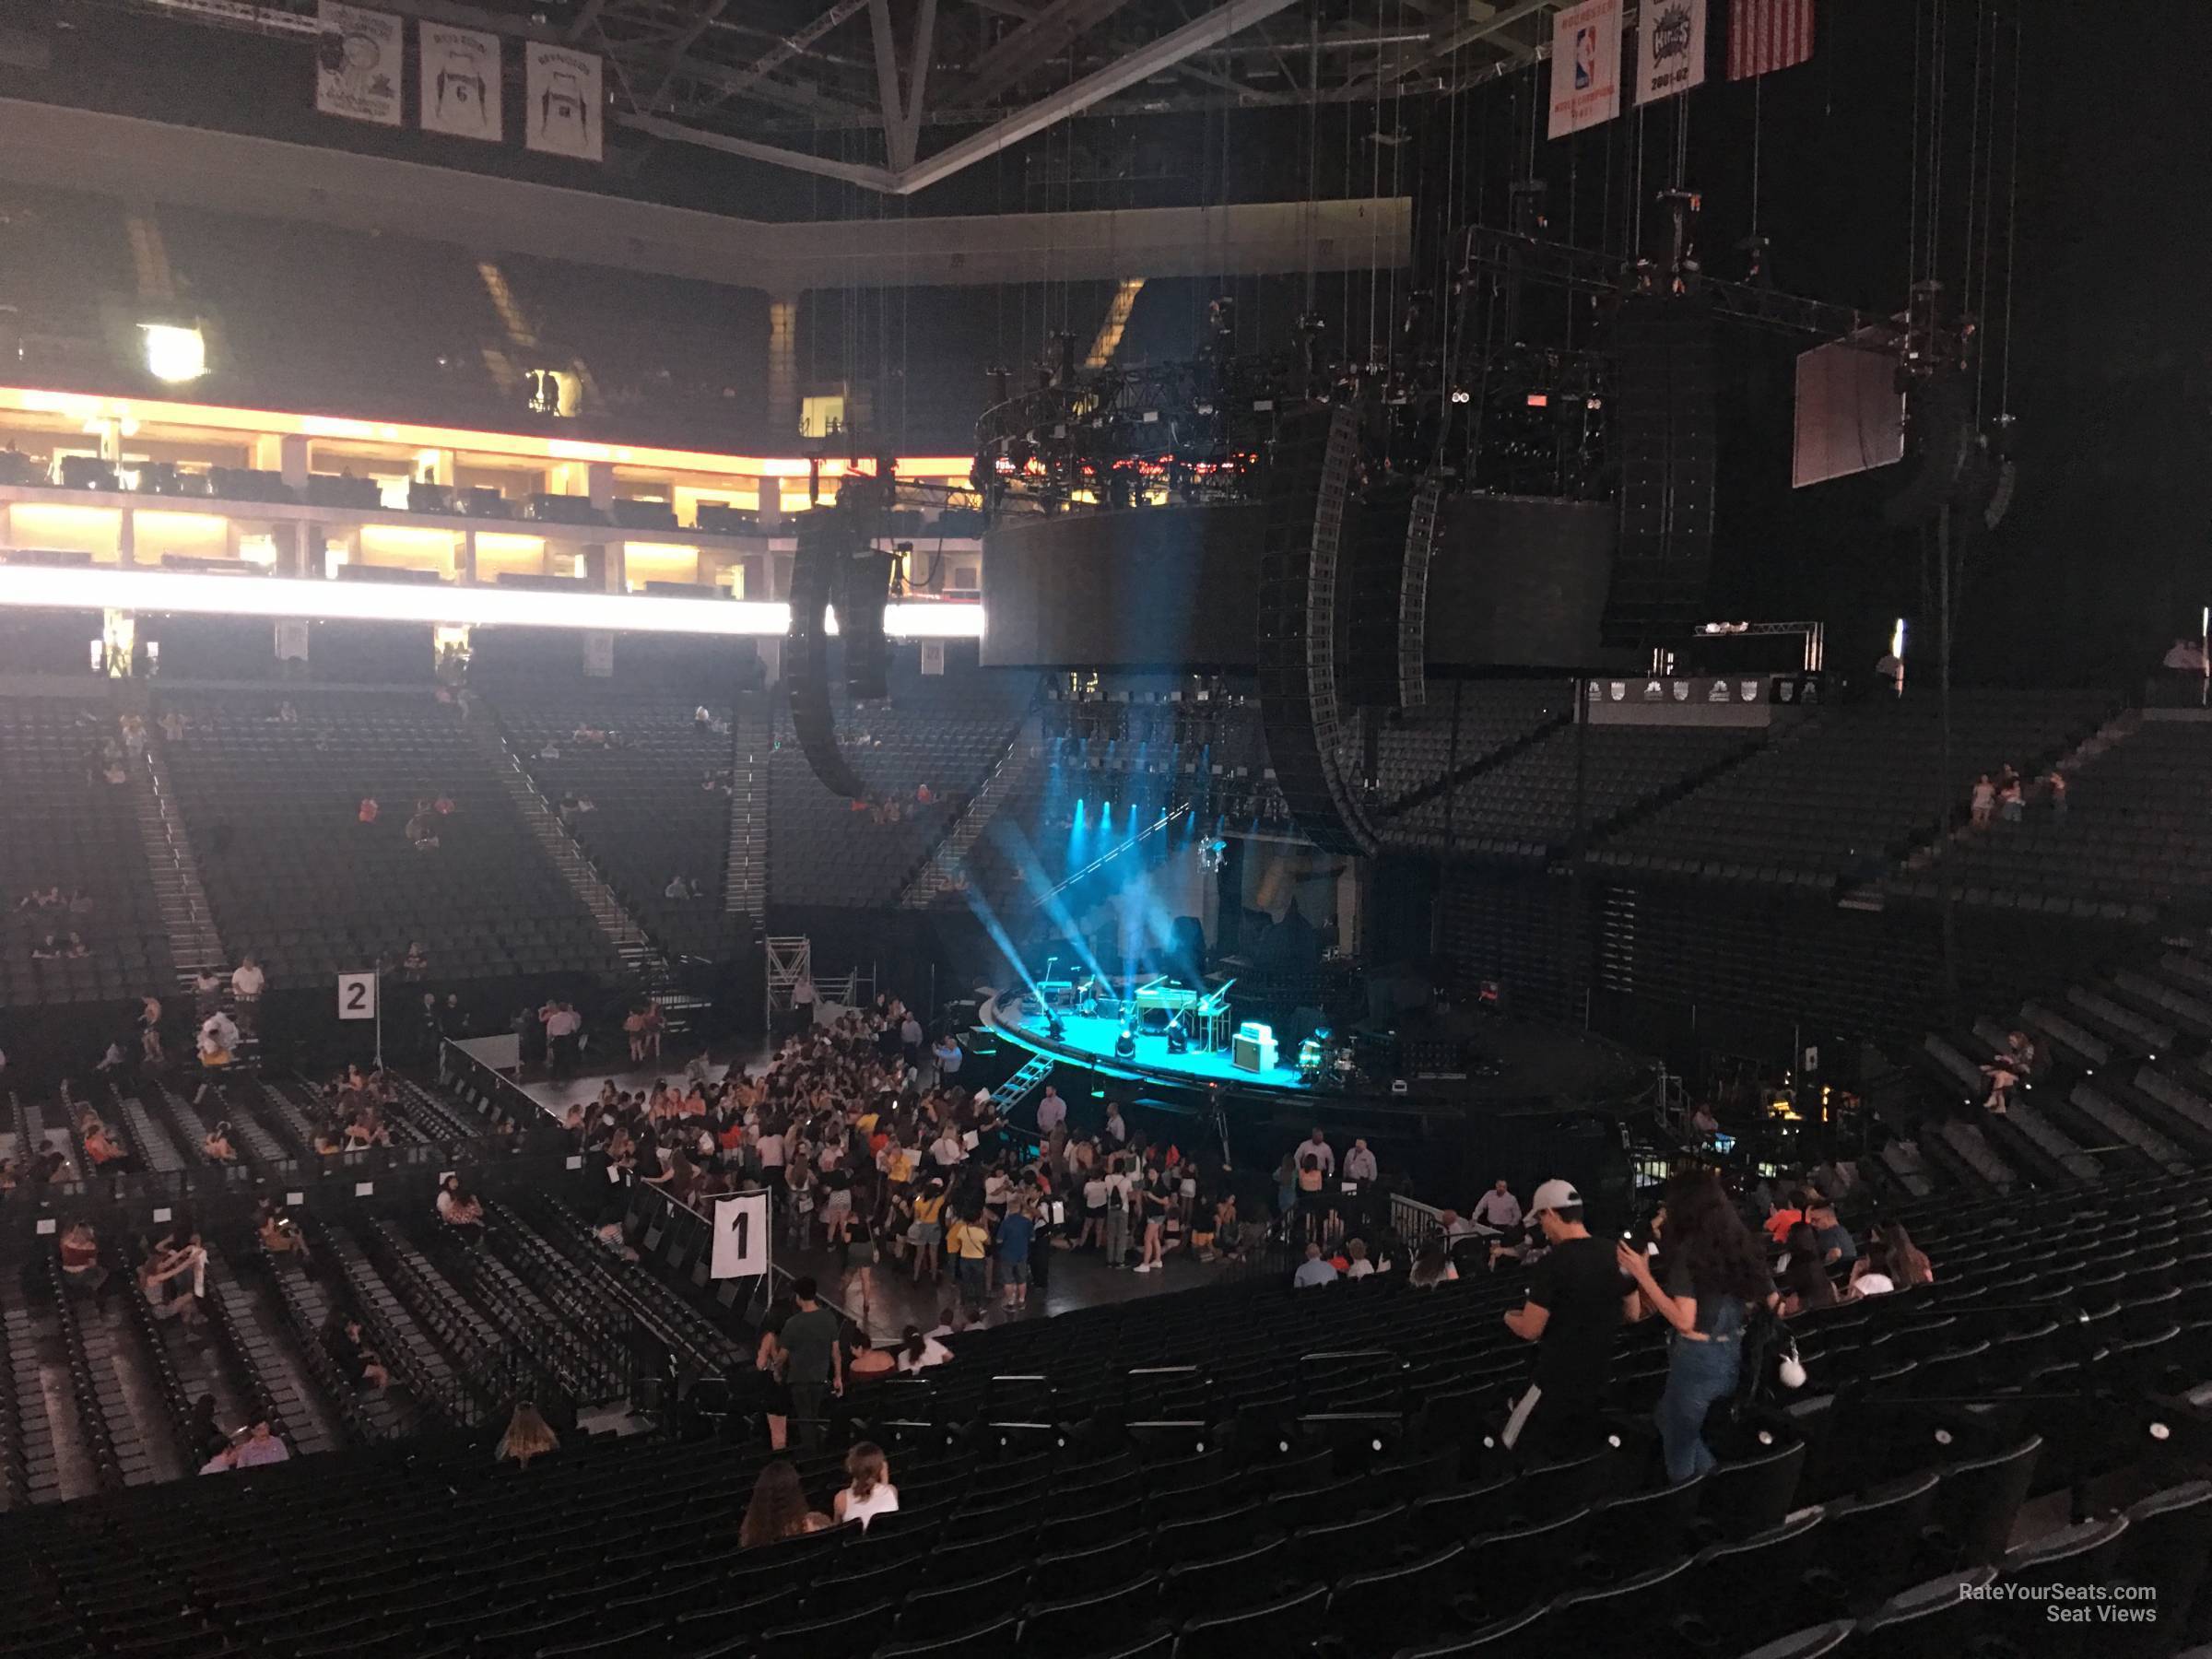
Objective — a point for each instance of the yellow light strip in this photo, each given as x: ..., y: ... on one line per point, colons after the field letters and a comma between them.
x: 79, y: 407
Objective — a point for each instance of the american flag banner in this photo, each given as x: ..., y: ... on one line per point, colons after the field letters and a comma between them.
x: 1766, y: 35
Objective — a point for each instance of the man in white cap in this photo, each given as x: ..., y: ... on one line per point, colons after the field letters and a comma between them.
x: 1577, y: 1299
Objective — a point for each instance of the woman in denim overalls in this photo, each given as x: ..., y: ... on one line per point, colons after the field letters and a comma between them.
x: 1714, y: 1271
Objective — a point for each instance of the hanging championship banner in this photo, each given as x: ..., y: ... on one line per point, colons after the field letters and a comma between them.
x: 564, y: 113
x: 1670, y: 48
x: 1585, y: 65
x: 358, y: 64
x: 460, y: 82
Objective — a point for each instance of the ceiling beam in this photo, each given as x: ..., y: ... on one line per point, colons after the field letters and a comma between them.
x: 852, y: 173
x: 901, y: 110
x: 683, y: 43
x: 1030, y: 48
x: 1126, y: 71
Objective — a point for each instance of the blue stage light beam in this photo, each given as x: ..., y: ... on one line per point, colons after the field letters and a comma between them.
x: 992, y: 926
x: 1017, y: 847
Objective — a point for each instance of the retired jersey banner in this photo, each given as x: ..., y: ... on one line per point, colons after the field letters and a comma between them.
x: 1585, y: 65
x: 358, y: 64
x: 1670, y: 48
x: 563, y: 118
x: 460, y: 82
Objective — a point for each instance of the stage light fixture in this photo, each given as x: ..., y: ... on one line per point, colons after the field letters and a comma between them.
x: 1056, y: 1029
x: 175, y: 354
x: 1179, y: 1040
x: 1125, y: 1044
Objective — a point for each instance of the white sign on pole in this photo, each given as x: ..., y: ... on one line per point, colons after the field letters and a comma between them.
x: 740, y: 1236
x: 1670, y: 48
x: 460, y: 82
x: 358, y: 64
x: 1585, y: 65
x: 565, y: 109
x: 357, y: 996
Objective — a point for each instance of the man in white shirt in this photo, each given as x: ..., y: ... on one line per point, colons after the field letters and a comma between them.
x: 1498, y: 1208
x: 1360, y: 1162
x: 948, y: 1057
x: 1116, y: 1131
x: 1318, y: 1149
x: 1051, y: 1112
x: 245, y: 991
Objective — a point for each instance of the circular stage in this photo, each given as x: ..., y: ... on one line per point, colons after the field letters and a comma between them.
x: 1522, y: 1067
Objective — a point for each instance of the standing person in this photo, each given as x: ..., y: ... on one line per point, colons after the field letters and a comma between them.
x: 1498, y: 1208
x: 246, y: 984
x: 207, y: 992
x: 1155, y: 1197
x: 802, y: 1002
x: 1316, y: 1147
x: 1017, y: 1233
x: 1713, y: 1271
x: 1576, y: 1301
x: 1119, y: 1195
x: 967, y: 1240
x: 813, y: 1367
x: 1360, y: 1162
x: 1051, y: 1112
x: 928, y: 1230
x: 1983, y: 803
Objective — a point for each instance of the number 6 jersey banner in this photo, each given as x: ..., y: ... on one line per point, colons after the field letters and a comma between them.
x: 740, y: 1237
x: 564, y: 113
x: 460, y: 82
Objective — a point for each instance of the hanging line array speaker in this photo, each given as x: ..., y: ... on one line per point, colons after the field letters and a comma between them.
x: 824, y: 547
x: 1371, y: 576
x: 1666, y: 415
x: 1309, y: 479
x: 864, y: 586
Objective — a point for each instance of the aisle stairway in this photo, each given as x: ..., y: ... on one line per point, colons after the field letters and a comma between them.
x: 947, y: 866
x: 193, y: 938
x: 753, y: 731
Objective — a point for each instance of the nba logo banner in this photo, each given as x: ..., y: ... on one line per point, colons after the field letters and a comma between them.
x: 1670, y: 48
x: 460, y: 82
x: 1585, y: 65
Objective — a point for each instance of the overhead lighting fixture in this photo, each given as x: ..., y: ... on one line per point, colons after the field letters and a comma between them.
x: 175, y: 354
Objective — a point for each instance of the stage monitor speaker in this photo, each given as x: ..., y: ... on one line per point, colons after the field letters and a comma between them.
x: 1666, y: 414
x: 864, y: 588
x: 1309, y: 478
x: 822, y: 543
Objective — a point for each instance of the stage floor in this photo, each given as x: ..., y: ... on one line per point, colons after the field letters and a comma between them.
x: 1092, y: 1035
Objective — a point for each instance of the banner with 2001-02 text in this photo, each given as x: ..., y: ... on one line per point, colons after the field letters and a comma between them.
x: 1670, y: 48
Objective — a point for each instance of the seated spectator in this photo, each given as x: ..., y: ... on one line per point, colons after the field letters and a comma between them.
x: 869, y: 1492
x: 366, y: 812
x: 1355, y: 1265
x: 417, y: 959
x: 1893, y: 1263
x: 260, y: 1446
x: 203, y: 1437
x: 918, y: 1352
x: 350, y: 1353
x: 528, y: 1435
x: 1801, y: 1276
x: 1432, y: 1266
x: 108, y: 1155
x: 1314, y: 1270
x: 280, y: 1234
x: 1838, y: 1249
x: 460, y: 1210
x: 82, y: 1272
x: 778, y: 1509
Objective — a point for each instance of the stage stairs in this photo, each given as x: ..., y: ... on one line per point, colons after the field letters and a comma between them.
x: 1023, y: 1084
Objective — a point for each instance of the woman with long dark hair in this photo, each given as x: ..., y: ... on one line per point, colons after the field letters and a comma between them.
x: 778, y: 1510
x: 1803, y: 1280
x: 1714, y: 1272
